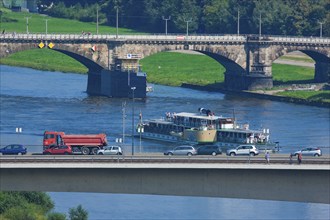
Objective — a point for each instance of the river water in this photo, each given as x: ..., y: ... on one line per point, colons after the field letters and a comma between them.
x: 39, y: 100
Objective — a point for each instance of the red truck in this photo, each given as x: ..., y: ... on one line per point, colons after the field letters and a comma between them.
x: 84, y: 143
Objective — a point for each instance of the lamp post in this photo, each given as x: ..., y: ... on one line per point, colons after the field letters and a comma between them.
x: 46, y: 20
x: 18, y: 131
x: 166, y: 19
x: 117, y: 21
x: 238, y: 22
x: 259, y: 24
x: 124, y: 116
x: 27, y: 25
x: 190, y: 20
x: 97, y: 19
x: 321, y: 23
x: 133, y: 89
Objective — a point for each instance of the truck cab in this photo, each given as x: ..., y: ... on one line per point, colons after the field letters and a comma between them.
x: 52, y: 138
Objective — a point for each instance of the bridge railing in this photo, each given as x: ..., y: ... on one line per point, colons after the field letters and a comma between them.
x: 159, y: 37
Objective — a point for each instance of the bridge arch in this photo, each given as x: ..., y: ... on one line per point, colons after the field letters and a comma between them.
x: 85, y: 57
x: 234, y: 63
x: 320, y: 56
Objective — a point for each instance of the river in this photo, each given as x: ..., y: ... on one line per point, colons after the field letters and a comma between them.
x: 39, y: 100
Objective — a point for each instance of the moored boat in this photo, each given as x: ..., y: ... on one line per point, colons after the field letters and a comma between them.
x: 204, y: 128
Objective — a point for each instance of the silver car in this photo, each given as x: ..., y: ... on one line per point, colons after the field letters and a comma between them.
x: 310, y: 151
x: 243, y: 150
x: 110, y: 150
x: 182, y: 150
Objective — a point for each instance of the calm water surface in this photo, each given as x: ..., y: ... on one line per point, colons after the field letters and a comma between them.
x: 39, y: 100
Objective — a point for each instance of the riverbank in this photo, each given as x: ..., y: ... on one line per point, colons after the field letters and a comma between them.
x: 261, y: 95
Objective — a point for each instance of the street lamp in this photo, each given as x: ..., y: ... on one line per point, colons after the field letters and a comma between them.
x: 97, y: 19
x: 321, y: 23
x: 190, y: 20
x: 238, y: 22
x: 117, y: 21
x: 27, y: 25
x: 166, y: 19
x: 46, y: 20
x: 133, y: 89
x: 259, y: 24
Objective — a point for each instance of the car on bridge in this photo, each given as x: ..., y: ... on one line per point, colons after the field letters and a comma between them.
x: 61, y: 150
x: 209, y: 150
x: 310, y: 151
x: 243, y: 150
x: 18, y: 149
x: 182, y: 150
x: 110, y: 150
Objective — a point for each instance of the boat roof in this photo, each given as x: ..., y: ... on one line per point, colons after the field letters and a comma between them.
x: 199, y: 116
x: 238, y: 130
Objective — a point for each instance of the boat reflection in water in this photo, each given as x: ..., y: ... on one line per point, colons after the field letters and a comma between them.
x: 204, y: 128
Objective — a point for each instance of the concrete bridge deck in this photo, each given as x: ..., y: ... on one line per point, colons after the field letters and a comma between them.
x: 283, y: 182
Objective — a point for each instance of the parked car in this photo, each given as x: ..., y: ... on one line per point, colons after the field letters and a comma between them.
x: 310, y: 151
x: 182, y: 150
x: 209, y: 150
x: 110, y: 150
x: 61, y: 149
x: 243, y: 150
x: 18, y: 149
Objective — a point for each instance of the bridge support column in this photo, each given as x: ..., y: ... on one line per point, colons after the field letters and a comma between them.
x: 248, y: 82
x: 322, y: 72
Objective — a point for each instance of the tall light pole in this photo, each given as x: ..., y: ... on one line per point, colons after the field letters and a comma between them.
x: 189, y: 20
x: 117, y: 21
x: 321, y: 23
x: 166, y: 19
x: 27, y: 25
x: 97, y: 19
x: 133, y: 89
x: 259, y: 24
x: 238, y: 22
x: 46, y: 20
x: 124, y: 116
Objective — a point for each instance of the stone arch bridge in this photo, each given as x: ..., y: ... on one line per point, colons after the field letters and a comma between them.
x: 247, y: 59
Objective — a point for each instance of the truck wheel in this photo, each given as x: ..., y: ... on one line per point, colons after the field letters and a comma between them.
x: 94, y: 150
x: 85, y: 151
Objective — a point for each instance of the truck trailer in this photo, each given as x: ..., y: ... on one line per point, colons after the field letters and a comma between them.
x: 84, y: 143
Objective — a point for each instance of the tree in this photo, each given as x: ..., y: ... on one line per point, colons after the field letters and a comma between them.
x: 78, y: 213
x: 56, y: 216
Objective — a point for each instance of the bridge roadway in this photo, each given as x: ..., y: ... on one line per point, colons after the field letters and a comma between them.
x: 159, y: 37
x: 239, y: 177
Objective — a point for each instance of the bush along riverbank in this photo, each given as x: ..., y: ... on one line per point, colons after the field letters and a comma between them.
x: 322, y: 101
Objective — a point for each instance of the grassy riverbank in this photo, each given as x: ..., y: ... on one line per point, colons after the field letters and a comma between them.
x: 16, y: 22
x: 167, y: 68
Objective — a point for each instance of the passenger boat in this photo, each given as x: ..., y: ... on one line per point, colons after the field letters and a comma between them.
x: 203, y: 128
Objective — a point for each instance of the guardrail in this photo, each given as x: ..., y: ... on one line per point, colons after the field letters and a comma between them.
x: 112, y: 37
x: 157, y: 159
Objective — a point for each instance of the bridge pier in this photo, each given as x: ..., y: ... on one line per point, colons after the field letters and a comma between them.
x: 322, y: 72
x: 117, y: 83
x: 248, y: 82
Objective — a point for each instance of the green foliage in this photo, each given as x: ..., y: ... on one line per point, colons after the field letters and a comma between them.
x: 16, y: 22
x: 78, y: 213
x: 24, y: 205
x: 44, y: 59
x: 291, y: 74
x: 187, y: 68
x: 319, y: 96
x: 56, y: 216
x: 26, y: 211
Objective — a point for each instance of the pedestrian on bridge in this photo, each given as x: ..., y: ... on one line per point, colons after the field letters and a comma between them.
x: 299, y: 158
x: 267, y: 157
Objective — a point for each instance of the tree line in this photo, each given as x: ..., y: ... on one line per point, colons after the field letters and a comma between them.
x: 34, y: 205
x: 280, y: 17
